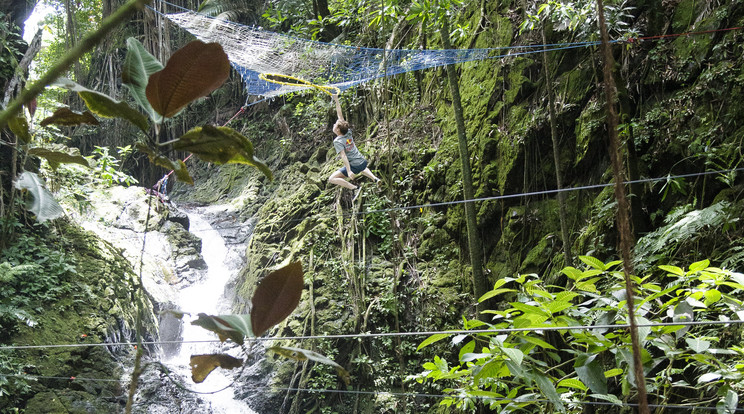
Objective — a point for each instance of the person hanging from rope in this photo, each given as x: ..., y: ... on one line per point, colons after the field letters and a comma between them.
x: 353, y: 160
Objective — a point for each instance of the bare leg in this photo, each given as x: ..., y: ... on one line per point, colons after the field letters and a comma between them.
x: 367, y: 173
x: 340, y: 180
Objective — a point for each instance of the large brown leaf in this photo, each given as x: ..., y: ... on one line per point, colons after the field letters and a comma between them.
x: 67, y: 117
x: 192, y: 72
x: 276, y: 296
x: 203, y: 365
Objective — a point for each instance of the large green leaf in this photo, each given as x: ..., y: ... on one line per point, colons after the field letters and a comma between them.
x: 158, y: 159
x: 67, y: 117
x: 572, y: 383
x: 590, y: 373
x: 104, y: 105
x: 276, y: 296
x: 19, y: 126
x: 42, y: 203
x: 193, y: 71
x: 548, y: 389
x: 59, y: 154
x: 304, y: 354
x: 593, y: 262
x: 203, y: 365
x: 138, y: 66
x: 220, y: 145
x: 235, y: 327
x: 430, y: 340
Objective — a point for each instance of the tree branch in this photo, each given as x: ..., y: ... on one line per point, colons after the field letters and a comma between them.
x: 85, y: 45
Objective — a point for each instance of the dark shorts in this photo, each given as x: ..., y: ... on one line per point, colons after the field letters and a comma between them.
x: 355, y: 169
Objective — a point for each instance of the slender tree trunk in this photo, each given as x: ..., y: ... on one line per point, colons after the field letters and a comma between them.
x: 71, y: 36
x: 567, y: 256
x: 623, y: 220
x: 474, y: 244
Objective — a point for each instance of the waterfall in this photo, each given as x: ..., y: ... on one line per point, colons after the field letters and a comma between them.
x: 207, y: 295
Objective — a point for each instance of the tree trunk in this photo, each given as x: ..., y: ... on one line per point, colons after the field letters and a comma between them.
x: 474, y: 244
x: 567, y: 257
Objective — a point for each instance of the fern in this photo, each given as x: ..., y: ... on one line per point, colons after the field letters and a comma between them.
x: 684, y: 227
x: 8, y: 272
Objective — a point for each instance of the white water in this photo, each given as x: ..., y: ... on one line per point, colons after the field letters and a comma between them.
x: 207, y: 296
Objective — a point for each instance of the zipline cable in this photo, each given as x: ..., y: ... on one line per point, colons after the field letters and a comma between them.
x: 503, y: 197
x: 389, y: 334
x: 398, y: 394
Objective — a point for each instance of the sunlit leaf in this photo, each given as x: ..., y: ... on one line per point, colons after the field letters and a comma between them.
x: 104, y: 105
x: 235, y: 327
x: 430, y: 340
x: 19, y: 127
x: 59, y: 154
x: 698, y: 266
x: 473, y: 356
x: 514, y: 354
x: 276, y: 297
x: 729, y: 403
x: 613, y: 372
x: 203, y: 365
x: 529, y: 309
x: 697, y: 345
x: 712, y: 296
x: 193, y: 71
x: 138, y: 66
x: 492, y: 293
x: 672, y: 269
x: 467, y: 348
x: 593, y: 262
x: 571, y: 272
x: 67, y: 117
x: 711, y: 376
x: 42, y: 203
x: 607, y: 397
x: 299, y: 354
x: 572, y: 383
x: 220, y: 145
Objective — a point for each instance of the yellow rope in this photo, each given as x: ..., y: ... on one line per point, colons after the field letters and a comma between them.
x: 298, y: 82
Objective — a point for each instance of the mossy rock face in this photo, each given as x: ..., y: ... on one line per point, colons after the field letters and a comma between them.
x: 98, y: 309
x: 46, y: 403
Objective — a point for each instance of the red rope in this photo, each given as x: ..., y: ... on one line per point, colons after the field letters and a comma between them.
x: 685, y: 34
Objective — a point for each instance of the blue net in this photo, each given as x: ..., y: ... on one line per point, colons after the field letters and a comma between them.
x: 253, y: 51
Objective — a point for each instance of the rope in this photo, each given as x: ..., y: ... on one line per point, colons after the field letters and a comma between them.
x: 388, y: 334
x: 657, y: 37
x: 397, y: 394
x: 271, y: 77
x: 502, y: 197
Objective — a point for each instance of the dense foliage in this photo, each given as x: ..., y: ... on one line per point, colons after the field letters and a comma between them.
x: 533, y: 365
x: 405, y: 269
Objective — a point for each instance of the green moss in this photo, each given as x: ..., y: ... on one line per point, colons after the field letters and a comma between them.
x: 587, y: 129
x: 684, y: 15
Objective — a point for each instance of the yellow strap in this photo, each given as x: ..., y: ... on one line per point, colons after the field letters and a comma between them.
x: 298, y: 82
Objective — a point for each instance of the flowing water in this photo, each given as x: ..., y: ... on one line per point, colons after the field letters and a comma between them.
x: 208, y: 296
